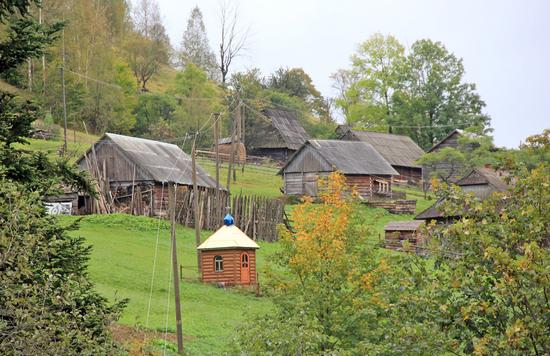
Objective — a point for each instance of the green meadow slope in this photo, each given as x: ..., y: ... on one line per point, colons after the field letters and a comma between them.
x: 123, y: 264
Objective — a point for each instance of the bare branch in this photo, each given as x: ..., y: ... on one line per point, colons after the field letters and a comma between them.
x: 233, y: 40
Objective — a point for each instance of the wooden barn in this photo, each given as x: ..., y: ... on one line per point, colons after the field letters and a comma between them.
x: 228, y: 256
x: 278, y: 135
x: 364, y: 168
x: 450, y: 172
x: 398, y: 150
x: 224, y: 150
x: 398, y: 232
x: 482, y: 182
x: 131, y: 174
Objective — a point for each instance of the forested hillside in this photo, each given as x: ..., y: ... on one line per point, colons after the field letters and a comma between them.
x: 121, y: 74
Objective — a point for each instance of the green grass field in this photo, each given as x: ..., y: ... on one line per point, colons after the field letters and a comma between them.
x: 256, y: 180
x: 121, y: 266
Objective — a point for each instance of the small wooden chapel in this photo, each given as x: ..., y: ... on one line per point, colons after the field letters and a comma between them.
x: 228, y: 256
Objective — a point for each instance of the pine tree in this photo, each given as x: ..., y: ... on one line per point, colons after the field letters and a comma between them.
x: 195, y: 47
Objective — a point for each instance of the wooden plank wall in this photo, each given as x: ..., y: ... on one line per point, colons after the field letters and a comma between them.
x: 256, y: 216
x: 231, y: 273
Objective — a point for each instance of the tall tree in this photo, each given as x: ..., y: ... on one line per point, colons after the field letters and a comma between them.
x: 297, y: 83
x: 149, y: 47
x: 375, y: 67
x: 434, y: 96
x: 47, y: 301
x: 329, y: 273
x: 233, y: 40
x: 195, y: 47
x: 421, y: 94
x: 198, y: 98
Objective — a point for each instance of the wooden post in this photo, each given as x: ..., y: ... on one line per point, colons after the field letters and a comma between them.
x: 133, y: 185
x: 232, y: 153
x: 196, y: 204
x: 216, y: 139
x: 238, y: 137
x: 172, y: 207
x: 243, y: 115
x: 217, y: 204
x: 64, y: 107
x: 63, y: 92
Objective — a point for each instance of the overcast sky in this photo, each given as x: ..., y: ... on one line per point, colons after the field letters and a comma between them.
x: 505, y: 45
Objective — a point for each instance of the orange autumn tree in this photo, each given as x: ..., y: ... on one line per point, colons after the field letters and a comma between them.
x: 331, y: 270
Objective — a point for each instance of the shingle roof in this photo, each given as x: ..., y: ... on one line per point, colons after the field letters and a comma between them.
x: 477, y: 176
x: 410, y: 225
x: 398, y: 150
x: 291, y: 130
x: 349, y: 157
x: 432, y: 212
x: 163, y: 162
x: 228, y: 237
x: 485, y: 176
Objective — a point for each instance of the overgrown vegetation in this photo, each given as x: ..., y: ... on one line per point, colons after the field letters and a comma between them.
x: 48, y: 304
x: 483, y: 289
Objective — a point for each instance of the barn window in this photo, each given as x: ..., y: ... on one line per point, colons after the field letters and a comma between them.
x: 218, y: 263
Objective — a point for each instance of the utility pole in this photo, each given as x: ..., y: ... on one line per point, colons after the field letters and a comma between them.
x: 238, y: 129
x: 217, y: 209
x: 243, y: 115
x: 231, y: 154
x: 172, y: 208
x: 63, y: 93
x: 196, y: 203
x: 216, y: 148
x: 43, y: 56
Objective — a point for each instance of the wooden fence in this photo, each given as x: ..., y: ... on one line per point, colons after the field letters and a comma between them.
x: 395, y: 206
x: 256, y: 216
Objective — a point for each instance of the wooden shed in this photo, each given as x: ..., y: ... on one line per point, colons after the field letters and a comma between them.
x: 400, y: 151
x: 277, y: 135
x: 224, y: 149
x: 398, y: 232
x: 228, y: 256
x: 132, y: 173
x: 364, y: 168
x: 481, y: 182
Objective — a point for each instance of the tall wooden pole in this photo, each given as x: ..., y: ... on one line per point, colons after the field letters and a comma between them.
x: 231, y: 154
x: 172, y: 208
x: 238, y: 129
x: 63, y: 93
x: 196, y: 203
x: 216, y: 148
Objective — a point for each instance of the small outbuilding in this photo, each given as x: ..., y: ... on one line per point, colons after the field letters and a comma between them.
x: 277, y: 135
x: 132, y: 174
x: 481, y: 182
x: 229, y: 256
x: 397, y: 232
x: 224, y: 150
x: 364, y: 168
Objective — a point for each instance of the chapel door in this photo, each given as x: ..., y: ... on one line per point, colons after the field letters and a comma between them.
x: 245, y: 268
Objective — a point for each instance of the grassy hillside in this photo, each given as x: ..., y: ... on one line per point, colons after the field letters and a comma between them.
x: 121, y: 265
x: 257, y: 180
x: 163, y: 80
x: 122, y: 262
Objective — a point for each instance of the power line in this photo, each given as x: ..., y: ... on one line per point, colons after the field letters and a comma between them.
x: 95, y: 80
